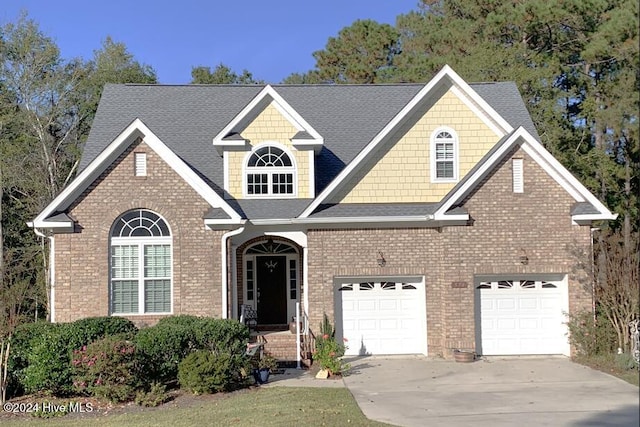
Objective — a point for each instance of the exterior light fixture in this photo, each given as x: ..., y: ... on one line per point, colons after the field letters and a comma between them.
x: 524, y: 259
x: 381, y: 261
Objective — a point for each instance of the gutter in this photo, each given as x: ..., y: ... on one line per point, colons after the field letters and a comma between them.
x: 225, y: 281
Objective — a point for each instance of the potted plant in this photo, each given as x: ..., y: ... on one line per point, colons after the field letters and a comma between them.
x: 263, y: 367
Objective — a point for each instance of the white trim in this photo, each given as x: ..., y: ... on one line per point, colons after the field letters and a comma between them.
x: 223, y: 258
x: 137, y: 129
x: 445, y: 76
x: 270, y: 171
x: 282, y: 106
x: 312, y: 175
x: 433, y: 162
x: 499, y: 127
x: 52, y: 278
x: 225, y: 168
x: 541, y: 156
x: 141, y: 242
x: 305, y: 281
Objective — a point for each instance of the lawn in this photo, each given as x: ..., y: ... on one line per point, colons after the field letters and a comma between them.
x: 610, y: 364
x: 272, y: 406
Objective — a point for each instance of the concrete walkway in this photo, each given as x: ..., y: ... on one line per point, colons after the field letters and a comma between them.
x: 522, y: 392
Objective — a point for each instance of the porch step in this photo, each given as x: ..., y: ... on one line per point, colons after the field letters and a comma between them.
x: 280, y: 344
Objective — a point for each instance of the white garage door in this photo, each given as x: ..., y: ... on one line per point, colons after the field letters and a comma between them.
x: 386, y: 317
x: 522, y: 317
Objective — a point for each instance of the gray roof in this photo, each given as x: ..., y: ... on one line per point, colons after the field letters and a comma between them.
x: 187, y: 117
x: 584, y: 208
x: 345, y: 210
x: 269, y: 208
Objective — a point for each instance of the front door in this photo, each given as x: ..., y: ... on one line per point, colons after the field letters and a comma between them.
x: 271, y: 279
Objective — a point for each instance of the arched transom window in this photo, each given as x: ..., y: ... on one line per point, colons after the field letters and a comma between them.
x: 444, y: 155
x: 140, y: 264
x: 270, y: 172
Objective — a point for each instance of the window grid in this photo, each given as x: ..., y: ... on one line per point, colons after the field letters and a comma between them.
x: 249, y: 277
x: 140, y: 264
x: 293, y: 280
x: 269, y: 172
x: 444, y: 156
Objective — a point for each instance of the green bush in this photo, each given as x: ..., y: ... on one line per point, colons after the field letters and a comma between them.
x: 329, y: 351
x: 106, y: 368
x: 163, y: 346
x: 84, y: 331
x: 206, y: 372
x: 49, y: 368
x: 591, y: 337
x: 155, y: 396
x: 41, y: 352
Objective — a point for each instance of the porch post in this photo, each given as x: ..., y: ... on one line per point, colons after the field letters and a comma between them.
x: 234, y: 282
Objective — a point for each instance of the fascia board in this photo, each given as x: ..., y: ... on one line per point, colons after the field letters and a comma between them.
x: 479, y: 173
x: 92, y: 171
x: 566, y: 180
x: 445, y: 75
x: 136, y: 129
x: 281, y: 105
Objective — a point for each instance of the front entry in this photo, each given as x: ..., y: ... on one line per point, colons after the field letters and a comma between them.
x: 271, y: 279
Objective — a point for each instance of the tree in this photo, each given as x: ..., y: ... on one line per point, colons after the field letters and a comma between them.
x: 361, y: 53
x: 112, y: 63
x: 221, y: 75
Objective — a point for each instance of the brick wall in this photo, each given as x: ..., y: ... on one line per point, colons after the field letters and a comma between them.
x: 81, y: 283
x: 504, y: 223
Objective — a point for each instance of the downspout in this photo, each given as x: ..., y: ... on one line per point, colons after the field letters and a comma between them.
x: 52, y: 274
x: 225, y: 281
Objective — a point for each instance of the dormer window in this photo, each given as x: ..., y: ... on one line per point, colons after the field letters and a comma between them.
x: 444, y: 156
x: 270, y: 172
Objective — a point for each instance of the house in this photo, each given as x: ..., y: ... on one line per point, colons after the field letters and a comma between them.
x: 419, y: 218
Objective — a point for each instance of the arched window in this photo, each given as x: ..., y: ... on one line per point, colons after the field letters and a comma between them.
x: 140, y: 264
x: 444, y: 155
x: 270, y: 172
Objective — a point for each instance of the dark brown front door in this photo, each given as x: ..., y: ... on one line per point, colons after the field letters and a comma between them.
x: 271, y: 279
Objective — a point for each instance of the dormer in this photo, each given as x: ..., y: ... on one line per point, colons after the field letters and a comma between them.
x: 268, y: 150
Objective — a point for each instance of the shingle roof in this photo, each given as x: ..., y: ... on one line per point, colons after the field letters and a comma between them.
x: 186, y: 118
x: 584, y: 208
x: 344, y: 210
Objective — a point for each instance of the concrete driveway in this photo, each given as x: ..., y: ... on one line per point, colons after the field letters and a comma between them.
x: 417, y: 391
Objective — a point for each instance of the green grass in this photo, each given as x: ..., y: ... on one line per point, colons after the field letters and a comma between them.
x: 612, y: 364
x: 273, y: 406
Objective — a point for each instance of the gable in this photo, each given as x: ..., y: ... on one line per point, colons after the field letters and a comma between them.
x: 269, y: 127
x: 401, y: 171
x: 130, y: 135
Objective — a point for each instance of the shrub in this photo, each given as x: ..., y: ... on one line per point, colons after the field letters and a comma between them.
x: 48, y: 367
x: 163, y: 346
x: 41, y: 355
x: 106, y: 368
x: 160, y: 350
x: 329, y: 352
x: 591, y: 337
x: 84, y: 331
x: 155, y: 396
x: 206, y: 372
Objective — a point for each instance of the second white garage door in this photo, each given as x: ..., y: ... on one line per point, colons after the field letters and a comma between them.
x: 382, y: 317
x: 522, y: 316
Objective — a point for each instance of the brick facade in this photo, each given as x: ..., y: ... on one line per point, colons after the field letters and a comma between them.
x: 504, y: 224
x: 82, y: 258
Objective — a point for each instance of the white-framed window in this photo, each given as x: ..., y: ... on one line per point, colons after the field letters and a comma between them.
x: 140, y: 264
x: 270, y: 172
x: 444, y: 155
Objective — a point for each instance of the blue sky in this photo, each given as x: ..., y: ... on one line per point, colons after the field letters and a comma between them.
x: 270, y: 38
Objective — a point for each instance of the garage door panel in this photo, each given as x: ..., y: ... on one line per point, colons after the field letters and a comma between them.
x: 386, y: 318
x: 366, y: 304
x: 523, y: 319
x: 505, y: 304
x: 389, y: 305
